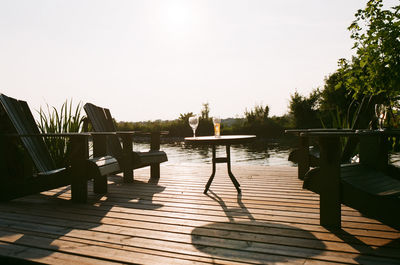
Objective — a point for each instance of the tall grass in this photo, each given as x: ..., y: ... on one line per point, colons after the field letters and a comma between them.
x: 64, y: 120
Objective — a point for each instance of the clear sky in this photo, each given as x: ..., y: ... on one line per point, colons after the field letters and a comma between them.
x: 155, y: 59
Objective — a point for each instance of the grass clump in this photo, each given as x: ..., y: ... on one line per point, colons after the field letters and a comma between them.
x: 64, y: 120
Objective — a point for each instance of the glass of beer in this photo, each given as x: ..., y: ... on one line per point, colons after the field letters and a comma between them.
x: 217, y: 126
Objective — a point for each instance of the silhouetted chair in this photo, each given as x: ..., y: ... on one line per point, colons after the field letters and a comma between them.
x: 18, y: 128
x: 371, y: 186
x: 106, y: 142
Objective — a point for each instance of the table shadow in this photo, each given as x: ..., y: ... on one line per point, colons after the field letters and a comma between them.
x: 246, y: 239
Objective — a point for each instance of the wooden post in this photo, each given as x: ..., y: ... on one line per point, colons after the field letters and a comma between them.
x: 79, y: 155
x: 330, y: 204
x: 99, y: 150
x: 304, y: 161
x: 127, y: 140
x: 155, y: 141
x: 155, y: 146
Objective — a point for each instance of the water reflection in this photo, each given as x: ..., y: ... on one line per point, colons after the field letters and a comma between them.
x: 257, y: 153
x: 260, y: 152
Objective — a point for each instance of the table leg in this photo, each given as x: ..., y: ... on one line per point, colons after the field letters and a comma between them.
x: 213, y: 169
x: 231, y: 176
x: 226, y: 160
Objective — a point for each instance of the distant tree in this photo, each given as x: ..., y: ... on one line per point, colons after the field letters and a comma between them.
x: 184, y: 118
x: 206, y: 126
x: 205, y: 111
x: 257, y: 122
x: 257, y: 115
x: 304, y: 110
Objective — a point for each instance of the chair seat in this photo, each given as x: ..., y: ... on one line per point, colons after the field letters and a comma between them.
x: 370, y: 181
x: 16, y: 188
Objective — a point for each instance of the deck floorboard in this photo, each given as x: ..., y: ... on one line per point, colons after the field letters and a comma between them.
x: 171, y: 221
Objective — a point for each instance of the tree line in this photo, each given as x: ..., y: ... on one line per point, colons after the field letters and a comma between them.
x: 255, y: 121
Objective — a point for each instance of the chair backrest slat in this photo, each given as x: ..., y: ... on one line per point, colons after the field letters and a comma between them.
x: 102, y: 121
x: 22, y: 119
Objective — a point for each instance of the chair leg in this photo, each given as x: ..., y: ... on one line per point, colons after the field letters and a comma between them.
x: 79, y: 191
x: 155, y: 170
x: 128, y: 175
x: 100, y: 184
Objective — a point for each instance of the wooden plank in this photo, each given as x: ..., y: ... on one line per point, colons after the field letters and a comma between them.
x: 263, y: 215
x: 283, y: 235
x: 16, y: 254
x: 82, y: 249
x: 112, y: 221
x: 174, y: 222
x: 207, y: 242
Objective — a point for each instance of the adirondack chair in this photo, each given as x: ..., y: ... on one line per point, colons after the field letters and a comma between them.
x: 371, y: 186
x: 19, y: 127
x: 306, y: 157
x: 106, y: 142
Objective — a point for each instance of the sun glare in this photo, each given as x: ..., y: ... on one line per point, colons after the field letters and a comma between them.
x: 177, y: 14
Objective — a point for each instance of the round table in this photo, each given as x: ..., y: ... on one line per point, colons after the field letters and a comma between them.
x: 226, y: 140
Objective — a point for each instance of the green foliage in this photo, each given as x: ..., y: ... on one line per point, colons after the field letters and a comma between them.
x: 257, y: 122
x: 305, y: 110
x: 375, y: 70
x: 372, y: 75
x: 184, y: 118
x: 258, y: 115
x: 66, y: 119
x: 206, y: 126
x: 205, y: 111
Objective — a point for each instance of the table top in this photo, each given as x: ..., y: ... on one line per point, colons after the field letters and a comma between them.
x: 221, y: 140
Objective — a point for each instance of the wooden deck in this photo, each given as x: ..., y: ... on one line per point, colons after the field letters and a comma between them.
x: 173, y: 222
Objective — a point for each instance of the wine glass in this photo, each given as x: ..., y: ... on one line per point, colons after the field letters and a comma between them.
x: 194, y: 122
x: 380, y: 112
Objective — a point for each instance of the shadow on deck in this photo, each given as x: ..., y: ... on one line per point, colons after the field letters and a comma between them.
x: 171, y: 221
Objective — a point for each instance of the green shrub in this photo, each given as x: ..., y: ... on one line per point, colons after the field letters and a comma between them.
x: 66, y: 119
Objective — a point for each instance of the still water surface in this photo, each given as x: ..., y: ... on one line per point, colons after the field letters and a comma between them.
x: 259, y: 153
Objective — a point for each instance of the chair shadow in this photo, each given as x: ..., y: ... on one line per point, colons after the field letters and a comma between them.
x: 251, y: 240
x: 367, y: 250
x: 86, y: 216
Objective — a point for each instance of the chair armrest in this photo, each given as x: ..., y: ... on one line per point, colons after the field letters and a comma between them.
x: 139, y: 133
x: 79, y: 143
x: 154, y: 138
x: 102, y: 133
x: 124, y: 133
x: 327, y: 130
x: 295, y: 131
x: 47, y: 135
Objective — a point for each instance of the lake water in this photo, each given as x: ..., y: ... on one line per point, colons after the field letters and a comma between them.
x: 258, y: 153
